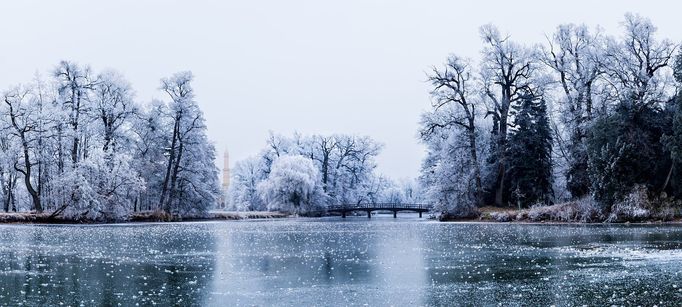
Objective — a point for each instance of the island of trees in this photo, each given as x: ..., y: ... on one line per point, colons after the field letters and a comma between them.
x: 584, y: 127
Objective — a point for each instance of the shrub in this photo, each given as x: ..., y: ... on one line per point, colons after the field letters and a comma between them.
x: 462, y: 212
x: 503, y: 216
x: 587, y: 210
x: 636, y: 206
x: 582, y: 210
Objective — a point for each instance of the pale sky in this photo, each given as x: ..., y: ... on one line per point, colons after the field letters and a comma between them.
x: 324, y: 67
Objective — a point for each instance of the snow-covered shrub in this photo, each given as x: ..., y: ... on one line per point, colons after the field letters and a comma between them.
x: 293, y: 186
x: 101, y: 187
x: 502, y: 216
x: 540, y: 213
x: 582, y: 210
x: 636, y: 206
x: 587, y: 210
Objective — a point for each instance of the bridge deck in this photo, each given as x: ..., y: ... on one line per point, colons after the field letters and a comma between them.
x: 345, y: 208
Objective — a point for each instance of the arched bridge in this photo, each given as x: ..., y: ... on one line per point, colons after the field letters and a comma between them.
x: 346, y: 208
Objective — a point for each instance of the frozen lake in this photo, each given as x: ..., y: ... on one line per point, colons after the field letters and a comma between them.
x: 330, y: 261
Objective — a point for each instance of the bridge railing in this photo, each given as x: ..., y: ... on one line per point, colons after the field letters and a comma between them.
x: 381, y: 206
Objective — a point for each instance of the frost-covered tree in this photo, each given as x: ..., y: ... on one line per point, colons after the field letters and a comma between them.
x: 22, y: 112
x: 609, y: 103
x: 636, y: 65
x: 149, y: 149
x: 625, y: 146
x: 455, y: 108
x: 104, y: 187
x: 575, y: 54
x: 448, y: 176
x: 74, y: 84
x: 190, y: 180
x: 353, y: 165
x: 243, y: 190
x: 9, y: 177
x: 508, y: 72
x: 79, y: 146
x: 346, y: 164
x: 409, y: 190
x: 293, y: 186
x: 673, y: 139
x: 113, y: 105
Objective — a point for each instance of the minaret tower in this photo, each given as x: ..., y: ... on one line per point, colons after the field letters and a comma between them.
x: 226, y: 171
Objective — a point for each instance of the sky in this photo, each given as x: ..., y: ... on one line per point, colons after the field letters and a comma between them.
x: 316, y: 67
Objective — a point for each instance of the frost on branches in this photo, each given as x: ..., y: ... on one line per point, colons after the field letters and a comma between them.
x: 584, y: 116
x: 344, y: 171
x: 293, y: 186
x: 79, y: 146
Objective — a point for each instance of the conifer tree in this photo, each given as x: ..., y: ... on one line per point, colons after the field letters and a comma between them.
x: 530, y: 148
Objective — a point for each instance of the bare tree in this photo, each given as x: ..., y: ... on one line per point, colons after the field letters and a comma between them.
x: 453, y: 97
x: 186, y: 118
x: 113, y: 104
x: 634, y: 67
x: 73, y: 85
x: 507, y: 72
x: 574, y: 55
x: 24, y: 126
x: 325, y: 147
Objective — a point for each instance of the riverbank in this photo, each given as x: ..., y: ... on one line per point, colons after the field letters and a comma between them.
x: 571, y: 212
x: 137, y: 217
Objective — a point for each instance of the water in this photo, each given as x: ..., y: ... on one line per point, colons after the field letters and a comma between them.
x: 330, y: 261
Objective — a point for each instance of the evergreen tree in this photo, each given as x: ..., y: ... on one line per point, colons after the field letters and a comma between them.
x: 673, y: 139
x: 529, y: 171
x: 625, y: 150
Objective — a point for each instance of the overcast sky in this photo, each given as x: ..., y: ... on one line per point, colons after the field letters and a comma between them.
x: 308, y: 66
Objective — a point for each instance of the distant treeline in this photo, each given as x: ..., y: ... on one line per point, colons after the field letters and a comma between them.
x: 305, y: 174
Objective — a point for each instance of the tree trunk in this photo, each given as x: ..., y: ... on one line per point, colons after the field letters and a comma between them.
x: 74, y: 151
x: 174, y: 178
x: 35, y: 196
x: 169, y: 166
x: 8, y: 196
x: 501, y: 154
x: 474, y: 158
x: 667, y: 178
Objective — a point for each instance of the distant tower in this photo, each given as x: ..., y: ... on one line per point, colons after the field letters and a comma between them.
x: 226, y: 179
x: 226, y: 171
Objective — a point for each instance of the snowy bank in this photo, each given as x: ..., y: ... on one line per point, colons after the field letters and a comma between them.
x: 147, y: 216
x: 570, y: 212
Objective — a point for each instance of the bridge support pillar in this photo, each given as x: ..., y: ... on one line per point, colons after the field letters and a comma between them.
x: 369, y: 214
x: 420, y: 214
x: 343, y: 214
x: 395, y: 214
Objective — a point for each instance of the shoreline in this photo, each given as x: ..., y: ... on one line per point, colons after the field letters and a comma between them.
x: 553, y: 222
x: 27, y: 218
x: 562, y: 214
